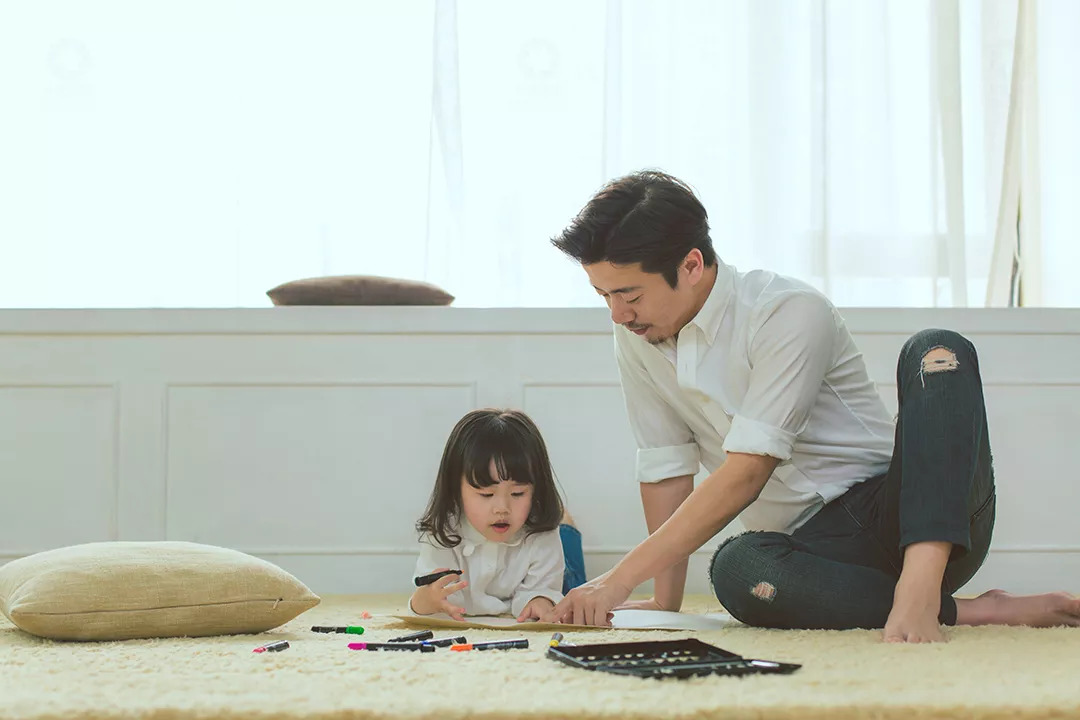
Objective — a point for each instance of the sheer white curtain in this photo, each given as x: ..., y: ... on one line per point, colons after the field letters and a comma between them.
x: 198, y: 153
x: 1056, y: 57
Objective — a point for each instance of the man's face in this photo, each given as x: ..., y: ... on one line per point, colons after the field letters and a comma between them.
x: 643, y: 302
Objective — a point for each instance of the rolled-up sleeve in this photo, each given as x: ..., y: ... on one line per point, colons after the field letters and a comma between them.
x: 666, y: 446
x: 791, y: 351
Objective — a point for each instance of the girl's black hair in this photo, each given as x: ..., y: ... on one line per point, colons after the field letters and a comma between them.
x: 513, y: 441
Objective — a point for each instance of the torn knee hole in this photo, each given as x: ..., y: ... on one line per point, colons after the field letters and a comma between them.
x: 939, y: 359
x: 764, y: 591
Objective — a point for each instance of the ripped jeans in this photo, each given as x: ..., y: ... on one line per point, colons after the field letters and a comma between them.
x: 839, y: 570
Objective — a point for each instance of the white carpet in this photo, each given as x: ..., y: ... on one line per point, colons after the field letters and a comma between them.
x: 979, y: 673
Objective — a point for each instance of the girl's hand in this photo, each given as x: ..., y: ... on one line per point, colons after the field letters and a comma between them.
x: 432, y: 598
x: 535, y: 609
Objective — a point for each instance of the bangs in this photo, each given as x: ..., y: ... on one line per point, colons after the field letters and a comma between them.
x: 513, y: 456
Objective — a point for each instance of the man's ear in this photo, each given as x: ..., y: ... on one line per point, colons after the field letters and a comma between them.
x: 694, y: 266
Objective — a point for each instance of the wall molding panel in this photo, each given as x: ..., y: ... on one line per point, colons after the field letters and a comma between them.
x: 311, y: 436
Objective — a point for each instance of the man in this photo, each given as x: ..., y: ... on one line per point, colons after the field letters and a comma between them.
x: 855, y: 520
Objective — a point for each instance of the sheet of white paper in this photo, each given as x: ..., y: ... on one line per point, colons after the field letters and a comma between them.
x: 664, y: 620
x: 624, y: 619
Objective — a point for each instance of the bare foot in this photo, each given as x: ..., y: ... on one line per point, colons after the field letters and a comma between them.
x: 997, y: 607
x: 916, y: 604
x: 914, y: 615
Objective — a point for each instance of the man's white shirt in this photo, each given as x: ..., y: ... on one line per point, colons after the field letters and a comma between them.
x: 766, y: 367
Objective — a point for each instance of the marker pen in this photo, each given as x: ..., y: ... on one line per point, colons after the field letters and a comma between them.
x: 446, y: 642
x: 497, y: 645
x: 419, y: 647
x: 414, y: 637
x: 428, y: 579
x: 350, y: 629
x: 273, y: 647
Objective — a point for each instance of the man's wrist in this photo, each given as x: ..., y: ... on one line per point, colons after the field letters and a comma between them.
x: 669, y: 587
x: 618, y: 578
x: 667, y: 601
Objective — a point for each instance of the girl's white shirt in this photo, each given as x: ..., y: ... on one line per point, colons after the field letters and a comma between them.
x: 503, y: 576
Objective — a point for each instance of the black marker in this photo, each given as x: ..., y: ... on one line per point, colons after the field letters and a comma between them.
x: 446, y: 642
x: 419, y: 647
x: 414, y: 637
x: 273, y: 647
x: 428, y: 579
x: 497, y: 645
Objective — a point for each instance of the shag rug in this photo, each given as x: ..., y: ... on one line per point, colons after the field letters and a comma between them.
x: 979, y: 673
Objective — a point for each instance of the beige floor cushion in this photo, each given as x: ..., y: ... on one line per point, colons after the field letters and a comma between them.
x: 125, y: 590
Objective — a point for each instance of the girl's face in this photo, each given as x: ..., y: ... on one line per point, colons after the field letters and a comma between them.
x: 500, y: 510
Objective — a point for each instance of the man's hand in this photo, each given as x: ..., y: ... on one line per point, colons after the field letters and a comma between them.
x: 536, y: 609
x: 432, y: 598
x: 706, y: 511
x: 591, y: 603
x: 650, y: 604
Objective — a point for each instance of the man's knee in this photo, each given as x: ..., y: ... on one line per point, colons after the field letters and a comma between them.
x: 937, y: 351
x: 745, y: 575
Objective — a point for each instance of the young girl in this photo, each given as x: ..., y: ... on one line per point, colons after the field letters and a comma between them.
x: 495, y: 514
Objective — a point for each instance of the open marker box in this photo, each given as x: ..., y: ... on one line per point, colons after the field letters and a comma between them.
x: 664, y: 659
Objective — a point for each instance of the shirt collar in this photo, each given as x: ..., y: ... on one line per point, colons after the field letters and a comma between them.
x: 712, y: 312
x: 471, y: 538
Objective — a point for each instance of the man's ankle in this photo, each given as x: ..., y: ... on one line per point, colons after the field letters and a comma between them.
x: 924, y: 562
x: 919, y: 585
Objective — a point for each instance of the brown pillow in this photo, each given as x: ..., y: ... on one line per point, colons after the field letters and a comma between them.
x: 125, y: 590
x: 358, y: 290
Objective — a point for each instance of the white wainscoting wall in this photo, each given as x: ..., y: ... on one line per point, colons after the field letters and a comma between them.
x: 310, y: 436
